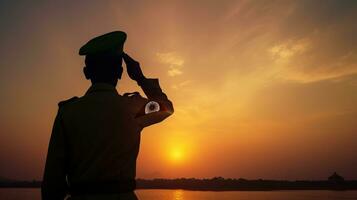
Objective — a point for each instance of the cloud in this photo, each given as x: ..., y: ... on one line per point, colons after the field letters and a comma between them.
x: 174, y: 61
x: 284, y: 51
x: 309, y: 60
x: 300, y: 41
x: 320, y: 42
x: 174, y: 71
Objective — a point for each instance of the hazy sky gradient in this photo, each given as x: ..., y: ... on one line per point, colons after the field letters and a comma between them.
x: 262, y: 89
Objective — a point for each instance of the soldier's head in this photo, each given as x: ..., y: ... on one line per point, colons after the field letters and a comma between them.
x: 103, y: 68
x: 104, y: 57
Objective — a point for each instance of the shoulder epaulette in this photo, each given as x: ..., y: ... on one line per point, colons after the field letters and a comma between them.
x: 67, y: 101
x: 131, y: 94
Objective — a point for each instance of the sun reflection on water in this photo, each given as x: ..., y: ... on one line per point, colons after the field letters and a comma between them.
x: 178, y: 195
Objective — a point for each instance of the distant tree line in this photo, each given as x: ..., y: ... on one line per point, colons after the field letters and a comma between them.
x: 220, y: 184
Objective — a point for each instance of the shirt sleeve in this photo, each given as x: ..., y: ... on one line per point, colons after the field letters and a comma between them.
x: 155, y: 97
x: 54, y: 184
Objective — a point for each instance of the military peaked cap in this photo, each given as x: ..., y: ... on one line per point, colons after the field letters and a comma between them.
x: 109, y: 42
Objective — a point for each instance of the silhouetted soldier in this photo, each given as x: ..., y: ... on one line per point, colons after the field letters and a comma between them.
x: 95, y: 138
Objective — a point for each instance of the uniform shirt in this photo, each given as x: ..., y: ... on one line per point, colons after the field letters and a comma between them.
x: 96, y: 137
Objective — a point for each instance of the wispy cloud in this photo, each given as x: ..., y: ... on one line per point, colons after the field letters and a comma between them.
x: 174, y: 71
x: 284, y: 51
x: 301, y: 61
x: 174, y: 61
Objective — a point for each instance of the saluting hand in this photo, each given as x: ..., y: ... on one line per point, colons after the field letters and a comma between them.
x: 133, y: 68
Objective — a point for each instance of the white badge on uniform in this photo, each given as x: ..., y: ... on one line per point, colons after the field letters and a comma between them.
x: 152, y: 106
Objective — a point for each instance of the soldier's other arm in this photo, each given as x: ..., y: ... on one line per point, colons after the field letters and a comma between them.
x: 54, y: 184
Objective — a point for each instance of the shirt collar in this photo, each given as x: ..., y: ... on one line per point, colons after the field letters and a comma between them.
x: 101, y: 87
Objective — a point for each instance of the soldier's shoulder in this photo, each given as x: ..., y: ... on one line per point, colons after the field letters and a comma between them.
x: 68, y: 101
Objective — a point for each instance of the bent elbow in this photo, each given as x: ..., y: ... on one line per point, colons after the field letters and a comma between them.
x: 170, y: 107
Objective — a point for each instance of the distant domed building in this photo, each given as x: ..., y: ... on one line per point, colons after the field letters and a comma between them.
x: 336, y: 178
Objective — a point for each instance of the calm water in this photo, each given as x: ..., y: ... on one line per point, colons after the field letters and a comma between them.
x: 34, y: 194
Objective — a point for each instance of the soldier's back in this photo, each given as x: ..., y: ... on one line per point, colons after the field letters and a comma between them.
x: 102, y: 136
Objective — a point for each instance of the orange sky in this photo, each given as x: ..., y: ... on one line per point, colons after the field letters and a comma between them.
x: 262, y: 89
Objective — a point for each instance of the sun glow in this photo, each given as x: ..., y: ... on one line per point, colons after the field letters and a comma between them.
x: 178, y: 150
x: 177, y: 154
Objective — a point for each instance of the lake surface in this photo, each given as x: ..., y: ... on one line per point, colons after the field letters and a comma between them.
x: 34, y: 194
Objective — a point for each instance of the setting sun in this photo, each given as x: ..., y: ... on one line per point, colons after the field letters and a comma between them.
x: 178, y: 150
x: 176, y: 155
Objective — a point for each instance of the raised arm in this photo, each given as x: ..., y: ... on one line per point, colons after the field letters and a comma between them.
x: 157, y: 106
